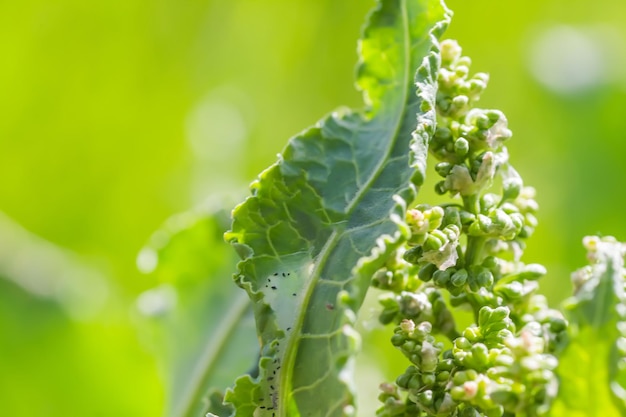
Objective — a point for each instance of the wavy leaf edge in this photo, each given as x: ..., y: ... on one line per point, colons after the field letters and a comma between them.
x: 251, y: 395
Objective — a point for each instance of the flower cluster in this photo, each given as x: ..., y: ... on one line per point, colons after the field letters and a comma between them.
x: 470, y: 248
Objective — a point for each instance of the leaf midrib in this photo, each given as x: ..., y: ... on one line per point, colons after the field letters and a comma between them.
x: 294, y: 340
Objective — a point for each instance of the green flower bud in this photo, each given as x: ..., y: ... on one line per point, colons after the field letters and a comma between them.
x: 488, y: 315
x: 490, y: 262
x: 482, y: 121
x: 387, y: 388
x: 509, y: 208
x: 441, y: 188
x: 426, y: 397
x: 465, y: 61
x: 443, y: 168
x: 481, y: 76
x: 511, y: 291
x: 435, y: 216
x: 443, y: 133
x: 496, y: 327
x: 488, y: 201
x: 397, y: 339
x: 530, y: 220
x: 409, y: 346
x: 462, y: 343
x: 504, y: 360
x: 461, y: 71
x: 430, y: 354
x: 423, y: 330
x: 426, y: 272
x: 407, y: 326
x: 450, y: 52
x: 429, y: 379
x: 484, y: 278
x: 452, y: 232
x: 473, y: 283
x: 511, y: 187
x: 533, y: 272
x: 518, y: 221
x: 476, y: 87
x: 445, y: 405
x: 414, y: 382
x: 443, y: 376
x: 412, y: 304
x: 441, y: 278
x: 413, y: 255
x: 472, y: 334
x: 460, y: 104
x: 458, y: 393
x: 459, y: 278
x: 480, y: 355
x: 452, y: 217
x: 418, y: 224
x: 447, y: 363
x: 467, y: 217
x: 435, y: 240
x: 403, y: 380
x: 443, y: 101
x: 461, y: 147
x: 484, y: 223
x: 526, y: 232
x: 557, y: 325
x: 462, y: 377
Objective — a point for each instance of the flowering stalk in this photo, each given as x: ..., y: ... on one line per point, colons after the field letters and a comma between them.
x: 468, y: 251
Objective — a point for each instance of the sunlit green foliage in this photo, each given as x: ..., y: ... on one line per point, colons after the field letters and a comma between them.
x: 115, y: 115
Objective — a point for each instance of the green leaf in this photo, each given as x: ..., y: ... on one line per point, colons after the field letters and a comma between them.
x: 323, y: 218
x: 590, y: 380
x: 201, y: 326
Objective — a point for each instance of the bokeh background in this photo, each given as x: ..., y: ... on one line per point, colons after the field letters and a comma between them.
x: 116, y: 115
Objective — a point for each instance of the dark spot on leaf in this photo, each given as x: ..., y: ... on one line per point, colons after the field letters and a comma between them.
x: 294, y: 294
x: 273, y: 287
x: 284, y: 274
x: 272, y: 387
x: 275, y: 274
x: 330, y: 307
x: 288, y: 328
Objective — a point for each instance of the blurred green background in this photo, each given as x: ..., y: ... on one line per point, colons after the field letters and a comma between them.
x: 115, y: 115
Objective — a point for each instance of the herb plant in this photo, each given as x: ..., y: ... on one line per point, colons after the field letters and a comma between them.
x: 339, y: 212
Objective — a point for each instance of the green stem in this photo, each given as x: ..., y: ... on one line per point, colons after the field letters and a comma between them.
x: 471, y: 203
x: 475, y: 244
x: 473, y: 253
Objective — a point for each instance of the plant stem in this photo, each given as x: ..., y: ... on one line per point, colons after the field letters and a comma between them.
x: 471, y: 203
x: 474, y: 250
